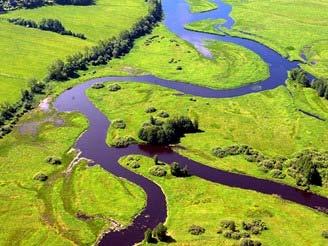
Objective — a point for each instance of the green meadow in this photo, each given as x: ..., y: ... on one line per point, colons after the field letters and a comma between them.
x: 201, y: 5
x: 27, y: 53
x: 268, y: 121
x: 165, y: 55
x: 194, y: 201
x: 75, y: 204
x: 292, y: 28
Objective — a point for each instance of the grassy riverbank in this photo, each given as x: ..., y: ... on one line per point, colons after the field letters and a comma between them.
x: 268, y: 121
x: 197, y: 6
x: 27, y: 53
x: 282, y: 26
x: 191, y: 200
x: 70, y: 207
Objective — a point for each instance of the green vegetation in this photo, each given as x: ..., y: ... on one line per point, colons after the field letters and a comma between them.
x: 283, y: 27
x: 201, y: 5
x: 207, y: 25
x: 166, y: 56
x: 199, y: 199
x: 27, y: 53
x: 270, y: 122
x: 45, y: 199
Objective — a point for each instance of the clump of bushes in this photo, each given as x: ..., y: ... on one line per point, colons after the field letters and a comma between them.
x: 158, y: 171
x: 255, y: 226
x: 121, y: 142
x: 321, y: 86
x: 114, y: 87
x: 150, y: 110
x: 308, y: 167
x: 118, y: 124
x: 196, y: 230
x: 41, y: 177
x: 54, y: 160
x: 97, y: 86
x: 228, y: 229
x: 170, y: 131
x: 178, y: 171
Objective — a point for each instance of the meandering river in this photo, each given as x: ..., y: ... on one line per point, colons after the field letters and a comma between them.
x: 93, y: 142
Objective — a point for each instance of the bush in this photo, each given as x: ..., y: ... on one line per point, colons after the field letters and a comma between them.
x: 150, y: 110
x: 97, y: 86
x: 119, y: 124
x: 228, y: 224
x: 121, y: 142
x: 163, y: 114
x: 236, y: 235
x: 157, y: 171
x: 177, y: 171
x: 54, y: 160
x: 325, y: 234
x: 196, y: 230
x: 249, y: 242
x: 276, y: 173
x: 41, y: 177
x: 160, y: 231
x: 227, y: 234
x: 114, y: 87
x: 148, y: 236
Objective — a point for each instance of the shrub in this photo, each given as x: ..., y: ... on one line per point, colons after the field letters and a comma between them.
x: 41, y: 177
x: 159, y: 232
x: 151, y: 110
x: 134, y: 164
x: 119, y: 124
x: 276, y: 173
x: 157, y: 171
x: 97, y: 86
x: 163, y: 114
x: 227, y: 234
x: 196, y: 230
x: 114, y: 87
x: 54, y: 160
x: 235, y: 235
x: 121, y: 142
x: 325, y: 234
x: 177, y: 171
x: 148, y: 236
x: 249, y: 242
x: 228, y: 224
x: 298, y: 75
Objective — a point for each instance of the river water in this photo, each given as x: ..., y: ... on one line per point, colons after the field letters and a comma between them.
x: 93, y: 142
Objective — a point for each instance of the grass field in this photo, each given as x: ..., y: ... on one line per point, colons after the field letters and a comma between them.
x: 291, y: 28
x: 27, y: 53
x: 195, y: 201
x: 268, y: 121
x: 201, y: 5
x: 70, y: 207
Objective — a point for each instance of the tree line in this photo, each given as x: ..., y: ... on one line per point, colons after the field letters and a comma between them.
x: 100, y: 54
x: 320, y: 85
x: 51, y: 25
x: 106, y: 50
x: 8, y: 5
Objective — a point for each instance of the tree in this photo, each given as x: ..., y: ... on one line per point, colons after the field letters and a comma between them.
x: 56, y: 71
x: 177, y: 171
x: 156, y: 161
x: 159, y: 232
x: 148, y: 236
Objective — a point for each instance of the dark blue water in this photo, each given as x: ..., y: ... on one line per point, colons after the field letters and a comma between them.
x: 93, y: 142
